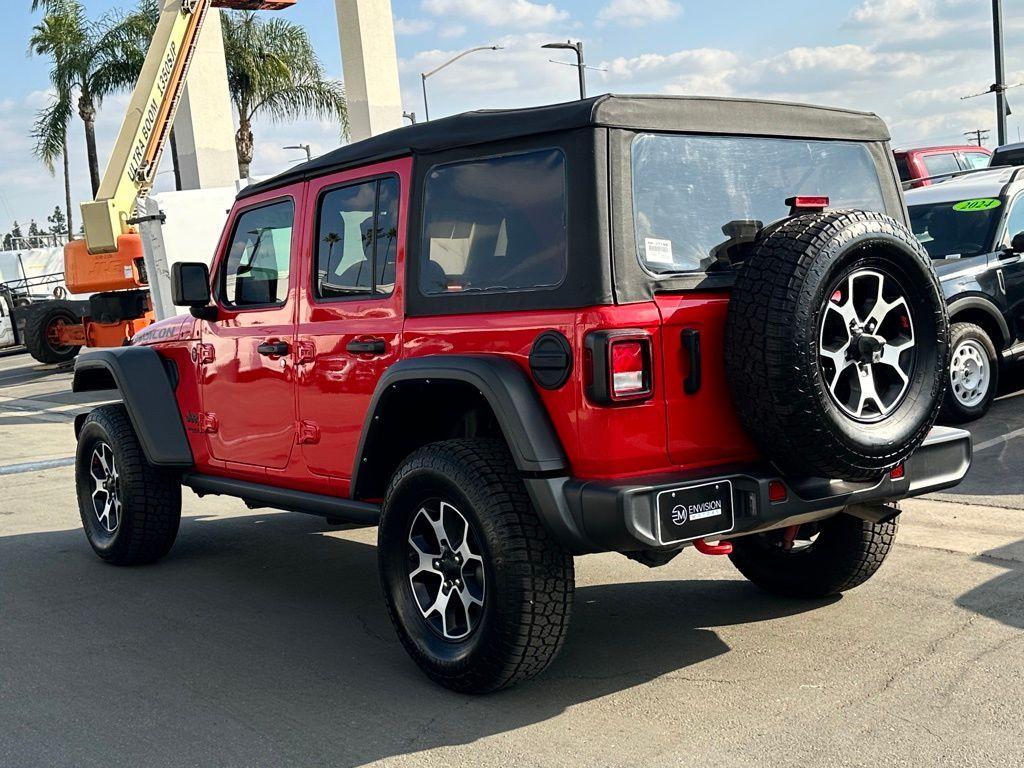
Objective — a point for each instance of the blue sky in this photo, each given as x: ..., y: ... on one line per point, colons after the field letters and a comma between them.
x: 908, y: 60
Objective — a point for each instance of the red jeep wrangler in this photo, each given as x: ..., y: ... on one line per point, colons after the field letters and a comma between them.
x: 626, y: 324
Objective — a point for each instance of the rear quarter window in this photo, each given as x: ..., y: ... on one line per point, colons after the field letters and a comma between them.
x: 495, y: 225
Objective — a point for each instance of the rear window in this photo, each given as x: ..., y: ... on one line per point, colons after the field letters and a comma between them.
x: 958, y: 228
x: 495, y: 225
x: 690, y: 191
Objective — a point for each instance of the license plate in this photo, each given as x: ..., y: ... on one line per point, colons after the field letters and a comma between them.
x: 694, y: 512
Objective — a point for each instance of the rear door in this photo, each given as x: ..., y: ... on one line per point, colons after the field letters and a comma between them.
x: 248, y: 385
x: 350, y: 323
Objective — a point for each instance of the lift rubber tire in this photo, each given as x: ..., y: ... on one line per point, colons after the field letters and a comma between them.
x: 970, y: 336
x: 775, y: 328
x: 846, y: 552
x: 527, y: 578
x: 147, y: 511
x: 37, y: 326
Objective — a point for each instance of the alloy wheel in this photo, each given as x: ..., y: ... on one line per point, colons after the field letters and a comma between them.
x: 446, y: 570
x: 867, y: 347
x: 106, y: 494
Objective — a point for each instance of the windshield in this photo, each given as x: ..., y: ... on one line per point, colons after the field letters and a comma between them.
x: 958, y: 228
x: 689, y: 192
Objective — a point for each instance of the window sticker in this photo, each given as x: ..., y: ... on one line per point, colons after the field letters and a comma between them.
x: 658, y: 251
x: 978, y: 204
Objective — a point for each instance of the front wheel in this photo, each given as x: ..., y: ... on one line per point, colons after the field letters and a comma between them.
x: 817, y: 559
x: 478, y: 591
x: 45, y: 331
x: 130, y: 509
x: 973, y: 374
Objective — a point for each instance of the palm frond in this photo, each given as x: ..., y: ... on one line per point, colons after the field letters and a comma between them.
x: 51, y: 129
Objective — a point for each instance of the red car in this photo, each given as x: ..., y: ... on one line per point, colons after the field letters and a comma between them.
x: 642, y: 325
x: 917, y: 166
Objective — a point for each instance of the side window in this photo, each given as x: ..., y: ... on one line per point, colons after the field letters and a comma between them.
x: 1015, y: 218
x: 495, y: 225
x: 975, y: 160
x: 938, y: 164
x: 255, y: 272
x: 357, y: 240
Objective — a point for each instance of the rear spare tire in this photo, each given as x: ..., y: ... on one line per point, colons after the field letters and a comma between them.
x: 837, y: 343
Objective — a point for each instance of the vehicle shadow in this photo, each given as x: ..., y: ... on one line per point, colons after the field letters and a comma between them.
x: 261, y: 641
x: 1001, y: 598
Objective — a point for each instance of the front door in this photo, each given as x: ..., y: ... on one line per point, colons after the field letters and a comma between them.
x: 350, y: 325
x: 248, y: 386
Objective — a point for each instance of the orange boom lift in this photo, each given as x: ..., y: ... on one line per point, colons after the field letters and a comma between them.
x: 108, y: 262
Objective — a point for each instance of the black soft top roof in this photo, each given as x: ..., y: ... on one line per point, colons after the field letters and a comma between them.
x: 685, y: 114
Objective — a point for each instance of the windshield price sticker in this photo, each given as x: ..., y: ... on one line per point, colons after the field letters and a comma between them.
x: 658, y: 251
x: 979, y: 204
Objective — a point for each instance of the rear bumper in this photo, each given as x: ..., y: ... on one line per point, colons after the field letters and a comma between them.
x: 602, y: 516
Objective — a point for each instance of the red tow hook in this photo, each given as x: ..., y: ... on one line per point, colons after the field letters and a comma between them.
x: 789, y: 536
x: 721, y: 548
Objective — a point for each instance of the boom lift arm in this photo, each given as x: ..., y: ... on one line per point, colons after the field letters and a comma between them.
x: 109, y: 258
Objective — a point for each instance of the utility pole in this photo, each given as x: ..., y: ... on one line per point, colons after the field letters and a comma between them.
x: 977, y: 135
x: 999, y: 87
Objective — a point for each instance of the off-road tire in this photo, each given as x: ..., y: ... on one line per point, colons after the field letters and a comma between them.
x: 846, y: 553
x: 37, y: 324
x: 953, y: 411
x: 772, y: 344
x: 150, y: 496
x: 529, y: 577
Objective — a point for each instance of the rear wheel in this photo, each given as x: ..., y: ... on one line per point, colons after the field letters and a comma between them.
x: 44, y: 329
x: 130, y: 509
x: 817, y: 559
x: 973, y: 374
x: 478, y: 591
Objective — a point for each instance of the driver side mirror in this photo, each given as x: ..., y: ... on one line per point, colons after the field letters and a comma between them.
x: 190, y: 287
x: 1017, y: 244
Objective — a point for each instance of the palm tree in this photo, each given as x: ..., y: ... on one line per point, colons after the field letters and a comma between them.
x: 91, y: 60
x: 273, y: 71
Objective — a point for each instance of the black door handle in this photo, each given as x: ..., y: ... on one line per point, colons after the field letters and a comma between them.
x: 367, y: 347
x: 690, y: 339
x: 273, y: 348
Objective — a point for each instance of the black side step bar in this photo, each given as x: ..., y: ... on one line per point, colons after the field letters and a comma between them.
x: 256, y: 494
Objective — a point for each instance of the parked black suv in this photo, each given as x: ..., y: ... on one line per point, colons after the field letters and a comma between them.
x: 973, y: 227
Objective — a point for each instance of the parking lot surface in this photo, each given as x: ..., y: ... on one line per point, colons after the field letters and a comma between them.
x: 262, y: 640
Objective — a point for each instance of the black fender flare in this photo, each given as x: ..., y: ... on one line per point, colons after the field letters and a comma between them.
x: 138, y: 373
x: 980, y: 302
x: 523, y: 420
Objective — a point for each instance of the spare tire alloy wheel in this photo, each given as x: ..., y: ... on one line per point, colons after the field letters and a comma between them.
x: 970, y: 374
x: 446, y: 570
x: 837, y: 344
x: 867, y: 347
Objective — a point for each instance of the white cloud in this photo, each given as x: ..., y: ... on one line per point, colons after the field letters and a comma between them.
x: 498, y: 13
x: 638, y: 13
x: 412, y: 26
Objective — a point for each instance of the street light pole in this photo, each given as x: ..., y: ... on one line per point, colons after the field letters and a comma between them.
x: 305, y: 147
x: 431, y: 73
x: 1000, y: 84
x: 581, y: 65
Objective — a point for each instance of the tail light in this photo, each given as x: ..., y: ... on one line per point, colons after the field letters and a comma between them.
x: 621, y: 368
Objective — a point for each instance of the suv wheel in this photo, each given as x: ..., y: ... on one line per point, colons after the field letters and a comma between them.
x: 478, y: 591
x: 973, y: 374
x: 130, y: 510
x: 821, y: 559
x: 837, y: 344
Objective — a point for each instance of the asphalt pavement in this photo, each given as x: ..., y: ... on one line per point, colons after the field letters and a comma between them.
x: 262, y: 640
